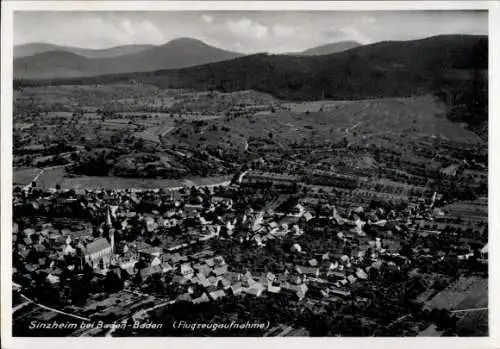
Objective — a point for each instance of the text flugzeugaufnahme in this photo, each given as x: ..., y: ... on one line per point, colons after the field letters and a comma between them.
x: 214, y: 326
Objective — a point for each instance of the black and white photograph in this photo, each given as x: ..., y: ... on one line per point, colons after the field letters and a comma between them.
x: 248, y: 173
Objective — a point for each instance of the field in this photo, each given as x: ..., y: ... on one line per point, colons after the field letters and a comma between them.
x: 52, y: 177
x: 316, y: 106
x: 467, y: 292
x: 475, y: 211
x: 381, y: 122
x: 24, y: 176
x: 473, y: 324
x: 85, y: 182
x: 153, y: 134
x: 133, y: 98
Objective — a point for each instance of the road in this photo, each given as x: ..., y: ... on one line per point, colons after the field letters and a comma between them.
x: 20, y: 306
x: 243, y: 174
x: 54, y: 310
x: 222, y: 184
x: 42, y: 171
x: 467, y: 310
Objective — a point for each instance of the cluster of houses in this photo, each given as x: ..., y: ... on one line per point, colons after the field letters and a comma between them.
x: 50, y: 247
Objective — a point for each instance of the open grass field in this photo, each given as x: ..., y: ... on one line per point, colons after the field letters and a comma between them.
x: 86, y: 182
x: 473, y: 324
x: 153, y: 134
x: 51, y: 177
x: 466, y: 293
x: 468, y: 210
x: 24, y: 176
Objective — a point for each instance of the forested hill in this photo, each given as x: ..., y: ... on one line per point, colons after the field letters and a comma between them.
x: 386, y: 69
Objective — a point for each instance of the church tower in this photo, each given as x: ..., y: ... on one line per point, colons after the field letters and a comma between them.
x: 109, y: 224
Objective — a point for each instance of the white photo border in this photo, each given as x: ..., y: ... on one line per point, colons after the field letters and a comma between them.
x: 8, y: 8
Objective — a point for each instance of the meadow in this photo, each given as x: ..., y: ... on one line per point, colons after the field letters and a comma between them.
x: 52, y: 177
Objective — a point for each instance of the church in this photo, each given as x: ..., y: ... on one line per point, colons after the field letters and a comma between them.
x: 99, y: 253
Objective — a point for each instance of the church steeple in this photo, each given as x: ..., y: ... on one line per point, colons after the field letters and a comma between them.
x: 109, y: 224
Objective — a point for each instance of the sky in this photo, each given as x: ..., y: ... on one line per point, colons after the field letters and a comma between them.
x: 243, y: 31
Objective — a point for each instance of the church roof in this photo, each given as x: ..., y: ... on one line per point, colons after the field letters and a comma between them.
x: 97, y: 245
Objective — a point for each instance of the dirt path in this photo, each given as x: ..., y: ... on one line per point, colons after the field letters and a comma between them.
x: 54, y: 310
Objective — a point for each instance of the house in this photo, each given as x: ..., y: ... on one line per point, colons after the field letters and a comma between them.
x: 273, y: 289
x: 219, y: 261
x: 151, y: 270
x: 211, y: 288
x: 236, y: 288
x: 273, y: 225
x: 202, y: 299
x: 177, y: 258
x: 224, y: 283
x: 294, y: 279
x: 210, y: 262
x: 232, y: 276
x: 255, y: 289
x: 212, y: 281
x: 42, y: 261
x: 68, y: 249
x: 296, y: 291
x: 352, y: 279
x: 151, y: 252
x: 308, y: 216
x: 309, y: 271
x: 217, y: 294
x: 52, y: 279
x: 340, y: 291
x: 247, y: 281
x: 179, y: 279
x: 220, y: 270
x: 361, y: 274
x: 202, y: 268
x: 262, y: 279
x: 484, y: 251
x: 185, y: 297
x: 186, y: 270
x: 313, y: 262
x: 128, y: 265
x: 377, y: 264
x: 270, y: 277
x: 166, y: 267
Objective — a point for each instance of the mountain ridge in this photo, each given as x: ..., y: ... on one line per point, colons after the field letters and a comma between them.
x: 178, y: 53
x: 385, y: 69
x: 31, y: 49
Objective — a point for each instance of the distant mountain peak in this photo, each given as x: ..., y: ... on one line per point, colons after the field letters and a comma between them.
x: 185, y: 41
x: 72, y: 62
x: 334, y: 47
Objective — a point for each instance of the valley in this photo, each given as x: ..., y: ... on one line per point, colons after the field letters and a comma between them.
x: 338, y: 191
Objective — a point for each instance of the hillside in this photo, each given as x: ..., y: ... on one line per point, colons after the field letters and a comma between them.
x: 37, y: 48
x: 175, y: 54
x: 381, y: 122
x: 386, y: 69
x: 330, y: 48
